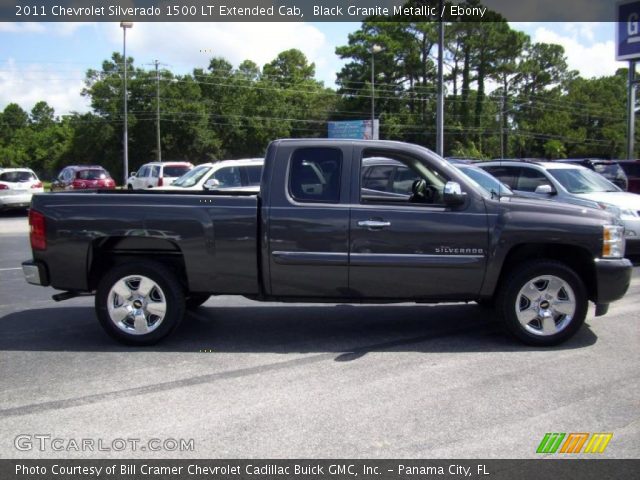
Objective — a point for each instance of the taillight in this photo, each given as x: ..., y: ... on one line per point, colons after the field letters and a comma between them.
x: 4, y: 187
x: 38, y: 230
x: 160, y: 181
x: 37, y: 185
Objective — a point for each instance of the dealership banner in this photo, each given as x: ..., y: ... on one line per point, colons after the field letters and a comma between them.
x: 343, y: 469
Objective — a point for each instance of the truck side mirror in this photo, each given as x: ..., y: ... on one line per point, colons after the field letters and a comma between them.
x: 212, y: 184
x: 544, y: 189
x: 453, y: 194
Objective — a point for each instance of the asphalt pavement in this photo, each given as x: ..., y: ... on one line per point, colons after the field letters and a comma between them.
x: 241, y: 379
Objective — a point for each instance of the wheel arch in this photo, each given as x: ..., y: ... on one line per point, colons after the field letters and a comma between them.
x: 579, y: 259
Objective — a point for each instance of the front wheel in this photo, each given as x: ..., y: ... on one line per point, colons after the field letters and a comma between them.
x: 543, y: 303
x: 139, y: 303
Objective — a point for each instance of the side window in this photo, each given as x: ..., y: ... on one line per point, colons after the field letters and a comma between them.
x: 391, y: 177
x: 531, y: 179
x: 314, y: 175
x: 377, y: 177
x: 155, y: 171
x: 143, y: 171
x: 228, y: 177
x: 403, y: 180
x: 254, y: 174
x: 506, y: 175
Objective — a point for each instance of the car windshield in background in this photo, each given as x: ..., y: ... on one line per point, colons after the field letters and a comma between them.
x: 16, y: 177
x: 192, y: 177
x: 485, y: 180
x: 582, y: 180
x: 175, y: 171
x: 91, y: 174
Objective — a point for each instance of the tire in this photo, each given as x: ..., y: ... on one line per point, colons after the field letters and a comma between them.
x: 542, y: 303
x: 137, y: 313
x: 194, y: 301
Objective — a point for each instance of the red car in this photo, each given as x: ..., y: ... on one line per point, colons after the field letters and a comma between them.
x: 81, y: 177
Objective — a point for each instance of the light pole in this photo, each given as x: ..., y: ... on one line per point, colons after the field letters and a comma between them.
x: 374, y: 49
x: 125, y: 139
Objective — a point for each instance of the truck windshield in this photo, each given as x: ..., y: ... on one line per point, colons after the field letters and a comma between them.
x: 582, y: 180
x: 192, y: 177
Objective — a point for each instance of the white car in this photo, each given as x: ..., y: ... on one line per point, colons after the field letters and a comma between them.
x: 17, y: 185
x: 157, y: 174
x: 241, y: 174
x: 565, y: 182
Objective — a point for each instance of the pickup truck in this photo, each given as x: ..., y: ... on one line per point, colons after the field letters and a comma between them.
x: 314, y: 234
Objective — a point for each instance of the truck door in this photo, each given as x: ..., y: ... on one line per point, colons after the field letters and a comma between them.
x: 407, y: 246
x: 308, y: 221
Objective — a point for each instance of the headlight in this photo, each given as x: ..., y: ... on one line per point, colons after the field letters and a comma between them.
x: 613, y: 241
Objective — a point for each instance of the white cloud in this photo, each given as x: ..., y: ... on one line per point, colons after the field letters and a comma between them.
x: 20, y: 27
x: 30, y: 83
x: 187, y: 45
x: 590, y: 58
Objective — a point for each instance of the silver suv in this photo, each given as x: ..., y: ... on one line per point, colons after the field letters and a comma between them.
x: 571, y: 184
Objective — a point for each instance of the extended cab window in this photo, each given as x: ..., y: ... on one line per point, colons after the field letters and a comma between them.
x: 314, y: 175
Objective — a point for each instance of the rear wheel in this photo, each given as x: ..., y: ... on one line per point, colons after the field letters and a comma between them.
x: 543, y: 303
x: 140, y: 303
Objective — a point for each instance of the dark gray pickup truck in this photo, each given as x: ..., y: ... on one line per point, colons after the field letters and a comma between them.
x: 314, y: 234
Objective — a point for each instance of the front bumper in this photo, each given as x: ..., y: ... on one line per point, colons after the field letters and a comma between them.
x: 35, y: 273
x: 613, y: 277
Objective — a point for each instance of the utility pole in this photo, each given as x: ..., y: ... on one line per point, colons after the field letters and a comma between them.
x: 125, y: 134
x: 159, y: 148
x: 631, y: 113
x: 440, y: 106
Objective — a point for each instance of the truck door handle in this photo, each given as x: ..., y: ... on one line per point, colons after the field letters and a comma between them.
x: 373, y: 224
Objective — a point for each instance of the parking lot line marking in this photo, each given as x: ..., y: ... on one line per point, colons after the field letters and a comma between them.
x: 7, y: 269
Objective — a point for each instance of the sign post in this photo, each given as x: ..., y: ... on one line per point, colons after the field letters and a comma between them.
x: 628, y: 48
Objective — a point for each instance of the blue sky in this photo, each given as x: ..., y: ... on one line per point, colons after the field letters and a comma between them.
x: 48, y: 61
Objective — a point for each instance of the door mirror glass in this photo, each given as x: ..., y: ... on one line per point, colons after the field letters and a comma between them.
x: 133, y: 174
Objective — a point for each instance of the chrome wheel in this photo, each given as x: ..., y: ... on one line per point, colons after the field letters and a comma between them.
x: 545, y: 305
x: 136, y: 305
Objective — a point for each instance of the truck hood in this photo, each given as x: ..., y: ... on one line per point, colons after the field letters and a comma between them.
x: 554, y: 207
x: 623, y: 200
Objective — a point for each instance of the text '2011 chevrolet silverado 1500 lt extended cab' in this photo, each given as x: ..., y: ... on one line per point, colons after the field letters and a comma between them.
x: 314, y: 234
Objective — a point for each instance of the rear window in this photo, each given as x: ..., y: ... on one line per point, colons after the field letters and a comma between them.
x: 16, y: 177
x: 175, y: 171
x: 632, y: 169
x: 608, y: 169
x: 93, y: 174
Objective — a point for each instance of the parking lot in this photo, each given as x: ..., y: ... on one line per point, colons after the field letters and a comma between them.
x: 244, y: 379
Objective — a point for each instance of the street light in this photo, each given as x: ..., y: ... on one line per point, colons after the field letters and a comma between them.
x: 125, y: 139
x: 374, y: 49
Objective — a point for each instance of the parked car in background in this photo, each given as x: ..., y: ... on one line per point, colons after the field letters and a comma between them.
x: 83, y: 177
x: 17, y: 186
x: 234, y: 174
x: 483, y: 178
x: 571, y: 183
x: 632, y: 170
x: 609, y: 169
x: 157, y: 174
